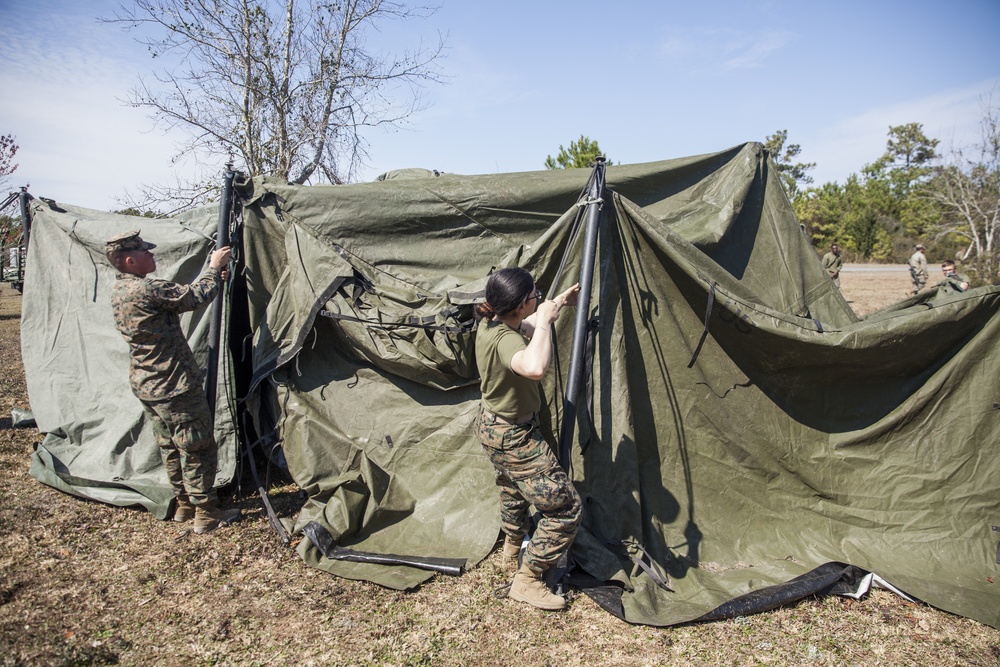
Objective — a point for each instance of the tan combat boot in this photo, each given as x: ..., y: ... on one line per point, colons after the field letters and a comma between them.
x: 208, y: 517
x: 184, y: 511
x: 511, y: 548
x: 528, y: 587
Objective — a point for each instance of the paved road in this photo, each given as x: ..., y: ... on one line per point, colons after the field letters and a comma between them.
x: 875, y: 268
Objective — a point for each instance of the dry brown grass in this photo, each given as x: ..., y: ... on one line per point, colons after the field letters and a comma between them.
x: 88, y: 584
x: 871, y: 287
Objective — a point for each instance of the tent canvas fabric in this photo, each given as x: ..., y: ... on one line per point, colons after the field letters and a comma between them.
x: 747, y: 440
x: 98, y: 443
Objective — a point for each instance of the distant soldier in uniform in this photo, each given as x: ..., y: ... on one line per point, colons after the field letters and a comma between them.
x: 513, y: 351
x: 918, y: 269
x: 952, y: 279
x: 832, y: 262
x: 164, y: 374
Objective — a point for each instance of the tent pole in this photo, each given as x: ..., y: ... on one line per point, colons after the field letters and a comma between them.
x: 582, y: 325
x: 25, y: 215
x: 215, y: 324
x: 26, y: 234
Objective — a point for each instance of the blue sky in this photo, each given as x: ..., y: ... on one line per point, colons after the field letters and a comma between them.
x: 648, y: 80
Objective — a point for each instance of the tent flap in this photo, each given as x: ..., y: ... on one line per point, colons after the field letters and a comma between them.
x: 98, y: 443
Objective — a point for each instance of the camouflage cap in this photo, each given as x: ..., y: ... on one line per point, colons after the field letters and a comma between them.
x: 128, y: 241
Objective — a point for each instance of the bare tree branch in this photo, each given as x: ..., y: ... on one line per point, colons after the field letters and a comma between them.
x: 283, y: 88
x: 967, y: 189
x: 8, y: 149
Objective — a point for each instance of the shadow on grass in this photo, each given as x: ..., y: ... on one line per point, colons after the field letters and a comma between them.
x: 286, y: 501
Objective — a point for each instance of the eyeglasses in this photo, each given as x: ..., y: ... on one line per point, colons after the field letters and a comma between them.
x: 537, y: 294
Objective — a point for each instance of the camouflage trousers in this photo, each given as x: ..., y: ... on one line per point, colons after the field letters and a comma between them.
x: 528, y: 473
x: 183, y: 429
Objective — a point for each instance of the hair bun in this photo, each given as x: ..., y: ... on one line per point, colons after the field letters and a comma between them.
x: 484, y: 310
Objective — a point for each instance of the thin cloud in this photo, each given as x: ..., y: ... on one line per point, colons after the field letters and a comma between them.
x: 79, y: 142
x: 952, y: 116
x: 722, y: 50
x: 753, y: 54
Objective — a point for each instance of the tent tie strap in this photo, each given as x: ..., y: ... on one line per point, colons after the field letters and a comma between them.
x: 324, y: 542
x: 243, y: 346
x: 708, y: 317
x: 502, y: 592
x: 588, y: 202
x: 272, y: 517
x: 659, y: 579
x: 412, y: 322
x: 588, y: 386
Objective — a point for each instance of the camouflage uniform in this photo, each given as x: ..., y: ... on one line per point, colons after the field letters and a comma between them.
x: 956, y: 283
x: 163, y: 372
x: 528, y: 473
x: 833, y: 263
x: 183, y: 429
x: 918, y: 270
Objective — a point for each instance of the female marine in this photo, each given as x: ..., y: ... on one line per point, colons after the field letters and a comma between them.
x: 513, y: 350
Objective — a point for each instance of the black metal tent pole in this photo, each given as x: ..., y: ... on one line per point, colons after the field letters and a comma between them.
x: 25, y: 215
x: 215, y: 324
x: 26, y: 230
x: 9, y: 200
x: 580, y: 329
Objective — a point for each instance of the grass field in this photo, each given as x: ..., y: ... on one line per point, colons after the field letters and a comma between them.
x: 83, y: 583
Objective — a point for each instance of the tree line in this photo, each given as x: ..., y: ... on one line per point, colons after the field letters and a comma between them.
x: 10, y: 227
x: 912, y: 193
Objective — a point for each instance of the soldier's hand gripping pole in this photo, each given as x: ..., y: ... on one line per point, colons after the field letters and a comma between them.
x: 580, y: 329
x: 215, y: 324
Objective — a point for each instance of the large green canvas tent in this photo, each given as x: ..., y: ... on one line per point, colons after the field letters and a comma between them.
x: 744, y: 439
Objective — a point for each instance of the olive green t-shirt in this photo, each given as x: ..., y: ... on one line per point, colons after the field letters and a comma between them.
x: 504, y: 392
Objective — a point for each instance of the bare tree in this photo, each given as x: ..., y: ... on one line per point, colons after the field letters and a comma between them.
x: 8, y: 149
x: 285, y: 88
x: 967, y: 188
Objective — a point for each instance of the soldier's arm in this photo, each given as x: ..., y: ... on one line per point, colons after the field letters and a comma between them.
x: 182, y: 298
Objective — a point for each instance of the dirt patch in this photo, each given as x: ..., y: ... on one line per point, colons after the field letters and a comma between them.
x: 82, y: 583
x: 871, y: 287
